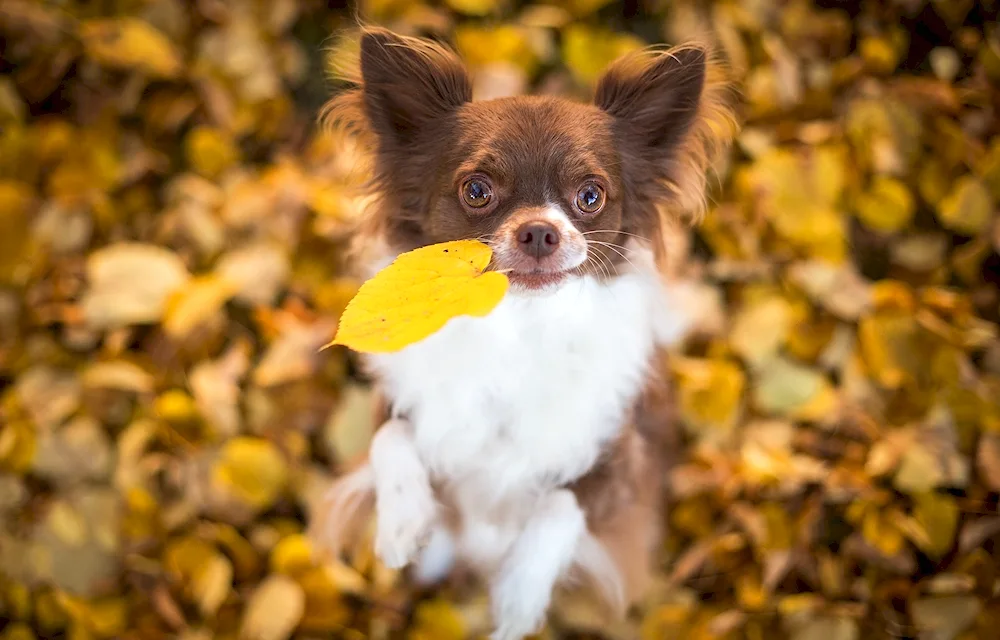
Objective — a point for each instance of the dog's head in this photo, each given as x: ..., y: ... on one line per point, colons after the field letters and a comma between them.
x: 557, y: 188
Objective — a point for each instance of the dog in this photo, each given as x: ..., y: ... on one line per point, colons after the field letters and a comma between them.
x: 528, y: 445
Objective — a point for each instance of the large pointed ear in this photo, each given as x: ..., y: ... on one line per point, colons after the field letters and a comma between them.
x: 654, y: 98
x: 408, y: 83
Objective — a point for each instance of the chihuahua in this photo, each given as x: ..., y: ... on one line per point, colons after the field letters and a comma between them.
x: 528, y: 445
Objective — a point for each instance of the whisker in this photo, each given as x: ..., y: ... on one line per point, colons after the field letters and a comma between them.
x: 600, y: 261
x: 624, y: 233
x: 605, y: 260
x: 615, y: 248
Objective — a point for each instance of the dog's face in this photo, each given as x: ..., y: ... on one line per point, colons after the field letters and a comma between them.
x: 555, y: 187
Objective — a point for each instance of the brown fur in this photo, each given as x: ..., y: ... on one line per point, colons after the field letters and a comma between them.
x: 656, y: 129
x: 674, y: 122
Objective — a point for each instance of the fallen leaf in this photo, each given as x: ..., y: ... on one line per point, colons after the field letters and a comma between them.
x: 293, y: 356
x: 130, y: 284
x: 967, y: 209
x: 839, y: 289
x: 273, y: 610
x: 437, y: 619
x: 944, y: 618
x: 988, y: 460
x: 587, y: 50
x: 350, y: 427
x: 418, y: 293
x: 121, y: 375
x: 210, y: 151
x: 473, y: 7
x: 252, y: 469
x: 194, y: 303
x: 711, y: 395
x: 786, y: 388
x: 887, y: 206
x: 216, y: 390
x: 130, y: 43
x: 760, y: 329
x: 258, y: 271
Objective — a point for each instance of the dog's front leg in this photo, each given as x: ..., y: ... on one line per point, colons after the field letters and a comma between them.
x: 543, y: 552
x: 404, y: 500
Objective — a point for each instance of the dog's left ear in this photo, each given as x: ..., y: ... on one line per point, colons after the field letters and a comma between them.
x: 654, y: 98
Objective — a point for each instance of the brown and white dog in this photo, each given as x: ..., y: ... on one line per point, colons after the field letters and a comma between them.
x: 528, y: 444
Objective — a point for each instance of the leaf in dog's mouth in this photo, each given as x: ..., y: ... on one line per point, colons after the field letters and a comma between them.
x: 418, y: 293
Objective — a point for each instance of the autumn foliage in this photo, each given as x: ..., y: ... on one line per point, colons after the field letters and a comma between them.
x: 172, y: 240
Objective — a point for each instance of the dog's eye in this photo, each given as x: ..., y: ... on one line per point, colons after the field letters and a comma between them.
x: 477, y: 193
x: 590, y: 198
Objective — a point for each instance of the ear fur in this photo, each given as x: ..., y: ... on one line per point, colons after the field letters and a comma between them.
x: 674, y: 121
x: 408, y: 83
x: 404, y: 92
x: 654, y: 99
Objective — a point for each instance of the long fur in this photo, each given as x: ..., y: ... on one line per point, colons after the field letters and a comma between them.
x: 548, y: 413
x: 698, y: 156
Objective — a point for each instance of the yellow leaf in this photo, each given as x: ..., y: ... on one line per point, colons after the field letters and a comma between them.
x: 711, y: 392
x: 482, y: 46
x: 274, y: 609
x: 937, y: 514
x: 104, y: 618
x: 210, y: 151
x: 887, y: 207
x: 799, y: 194
x: 175, y: 406
x: 667, y: 621
x: 130, y: 283
x: 349, y: 429
x: 204, y: 572
x: 879, y: 531
x: 988, y: 169
x: 184, y: 556
x: 920, y: 470
x: 17, y: 445
x: 291, y: 555
x: 15, y: 203
x: 889, y: 347
x: 324, y: 609
x: 18, y: 631
x: 786, y: 388
x: 196, y: 302
x: 473, y: 7
x: 130, y: 43
x: 212, y: 584
x: 588, y: 51
x: 252, y: 469
x: 437, y: 620
x: 760, y: 329
x: 968, y: 209
x: 67, y: 524
x: 418, y: 293
x: 750, y: 594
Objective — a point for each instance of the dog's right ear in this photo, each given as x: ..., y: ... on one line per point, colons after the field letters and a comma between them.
x: 408, y: 83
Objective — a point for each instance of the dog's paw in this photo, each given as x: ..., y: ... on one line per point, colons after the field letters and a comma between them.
x: 520, y: 604
x: 407, y: 513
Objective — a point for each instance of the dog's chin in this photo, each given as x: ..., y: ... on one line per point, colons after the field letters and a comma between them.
x: 536, y: 282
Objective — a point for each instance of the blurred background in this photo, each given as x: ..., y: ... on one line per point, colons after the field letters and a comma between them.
x: 171, y: 239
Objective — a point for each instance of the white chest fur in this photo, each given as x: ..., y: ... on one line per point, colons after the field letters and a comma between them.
x: 527, y: 394
x: 508, y: 406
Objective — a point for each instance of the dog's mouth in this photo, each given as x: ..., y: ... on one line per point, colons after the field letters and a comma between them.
x: 536, y: 280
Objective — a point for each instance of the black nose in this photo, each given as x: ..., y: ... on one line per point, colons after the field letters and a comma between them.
x: 537, y: 239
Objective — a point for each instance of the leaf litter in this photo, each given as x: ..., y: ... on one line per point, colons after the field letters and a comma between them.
x: 172, y: 259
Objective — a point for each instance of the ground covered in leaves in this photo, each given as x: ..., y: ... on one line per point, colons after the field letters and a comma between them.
x: 171, y: 228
